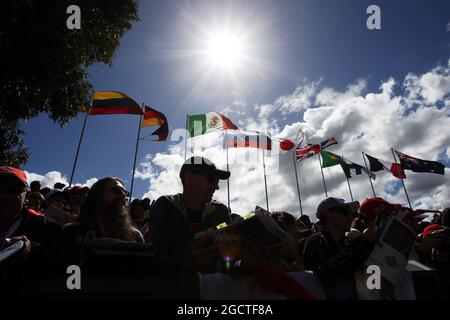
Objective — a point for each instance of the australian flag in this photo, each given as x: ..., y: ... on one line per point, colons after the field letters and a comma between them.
x: 419, y: 165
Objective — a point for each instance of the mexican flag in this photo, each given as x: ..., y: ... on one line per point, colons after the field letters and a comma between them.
x: 208, y: 122
x: 330, y: 159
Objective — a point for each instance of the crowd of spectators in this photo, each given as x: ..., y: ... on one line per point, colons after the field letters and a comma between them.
x: 54, y: 225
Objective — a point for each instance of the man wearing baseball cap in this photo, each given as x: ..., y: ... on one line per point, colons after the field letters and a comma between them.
x: 175, y: 219
x: 17, y: 223
x: 428, y: 241
x: 334, y: 258
x: 13, y: 190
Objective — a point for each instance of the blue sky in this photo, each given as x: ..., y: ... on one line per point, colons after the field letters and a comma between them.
x: 295, y: 43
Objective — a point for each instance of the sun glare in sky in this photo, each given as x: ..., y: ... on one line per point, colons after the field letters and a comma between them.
x: 224, y: 50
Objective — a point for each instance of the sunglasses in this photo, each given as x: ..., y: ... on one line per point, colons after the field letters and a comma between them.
x: 12, y: 190
x: 120, y: 191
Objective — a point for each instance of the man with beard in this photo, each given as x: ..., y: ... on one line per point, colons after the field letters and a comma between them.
x: 175, y: 219
x: 105, y: 214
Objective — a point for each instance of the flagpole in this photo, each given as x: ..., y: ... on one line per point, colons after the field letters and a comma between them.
x: 81, y: 138
x: 349, y: 189
x: 228, y: 169
x: 403, y: 184
x: 370, y: 179
x: 298, y: 187
x: 186, y: 137
x: 265, y: 182
x: 323, y: 178
x: 135, y: 154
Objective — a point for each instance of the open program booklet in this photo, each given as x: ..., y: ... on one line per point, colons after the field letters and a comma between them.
x: 257, y: 228
x: 393, y: 249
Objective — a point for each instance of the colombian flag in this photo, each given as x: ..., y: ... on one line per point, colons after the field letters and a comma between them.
x: 113, y: 102
x: 156, y: 118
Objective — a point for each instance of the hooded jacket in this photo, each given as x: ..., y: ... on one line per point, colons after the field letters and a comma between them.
x: 170, y: 228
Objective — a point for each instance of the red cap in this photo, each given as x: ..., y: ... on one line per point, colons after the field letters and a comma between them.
x: 369, y: 208
x: 430, y: 229
x: 19, y: 174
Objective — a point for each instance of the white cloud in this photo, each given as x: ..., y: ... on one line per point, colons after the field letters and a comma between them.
x: 429, y: 87
x: 414, y: 118
x: 329, y: 96
x: 48, y: 179
x: 52, y: 177
x: 301, y: 99
x: 291, y: 130
x: 146, y: 170
x: 265, y: 110
x: 89, y: 182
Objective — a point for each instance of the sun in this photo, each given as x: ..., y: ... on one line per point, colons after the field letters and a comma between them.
x: 225, y: 49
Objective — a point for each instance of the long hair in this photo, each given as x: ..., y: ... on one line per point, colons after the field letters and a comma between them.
x: 119, y: 225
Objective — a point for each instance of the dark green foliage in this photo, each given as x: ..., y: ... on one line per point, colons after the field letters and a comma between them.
x: 43, y: 63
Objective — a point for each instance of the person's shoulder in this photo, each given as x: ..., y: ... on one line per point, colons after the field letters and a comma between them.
x: 164, y: 201
x: 220, y: 206
x: 163, y: 205
x: 317, y: 236
x: 314, y: 243
x: 30, y: 225
x: 220, y: 212
x: 31, y: 218
x: 37, y: 227
x: 34, y: 215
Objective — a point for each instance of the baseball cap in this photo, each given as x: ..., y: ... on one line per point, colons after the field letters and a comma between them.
x: 203, y: 165
x: 19, y: 174
x: 332, y: 202
x: 369, y: 207
x: 430, y: 229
